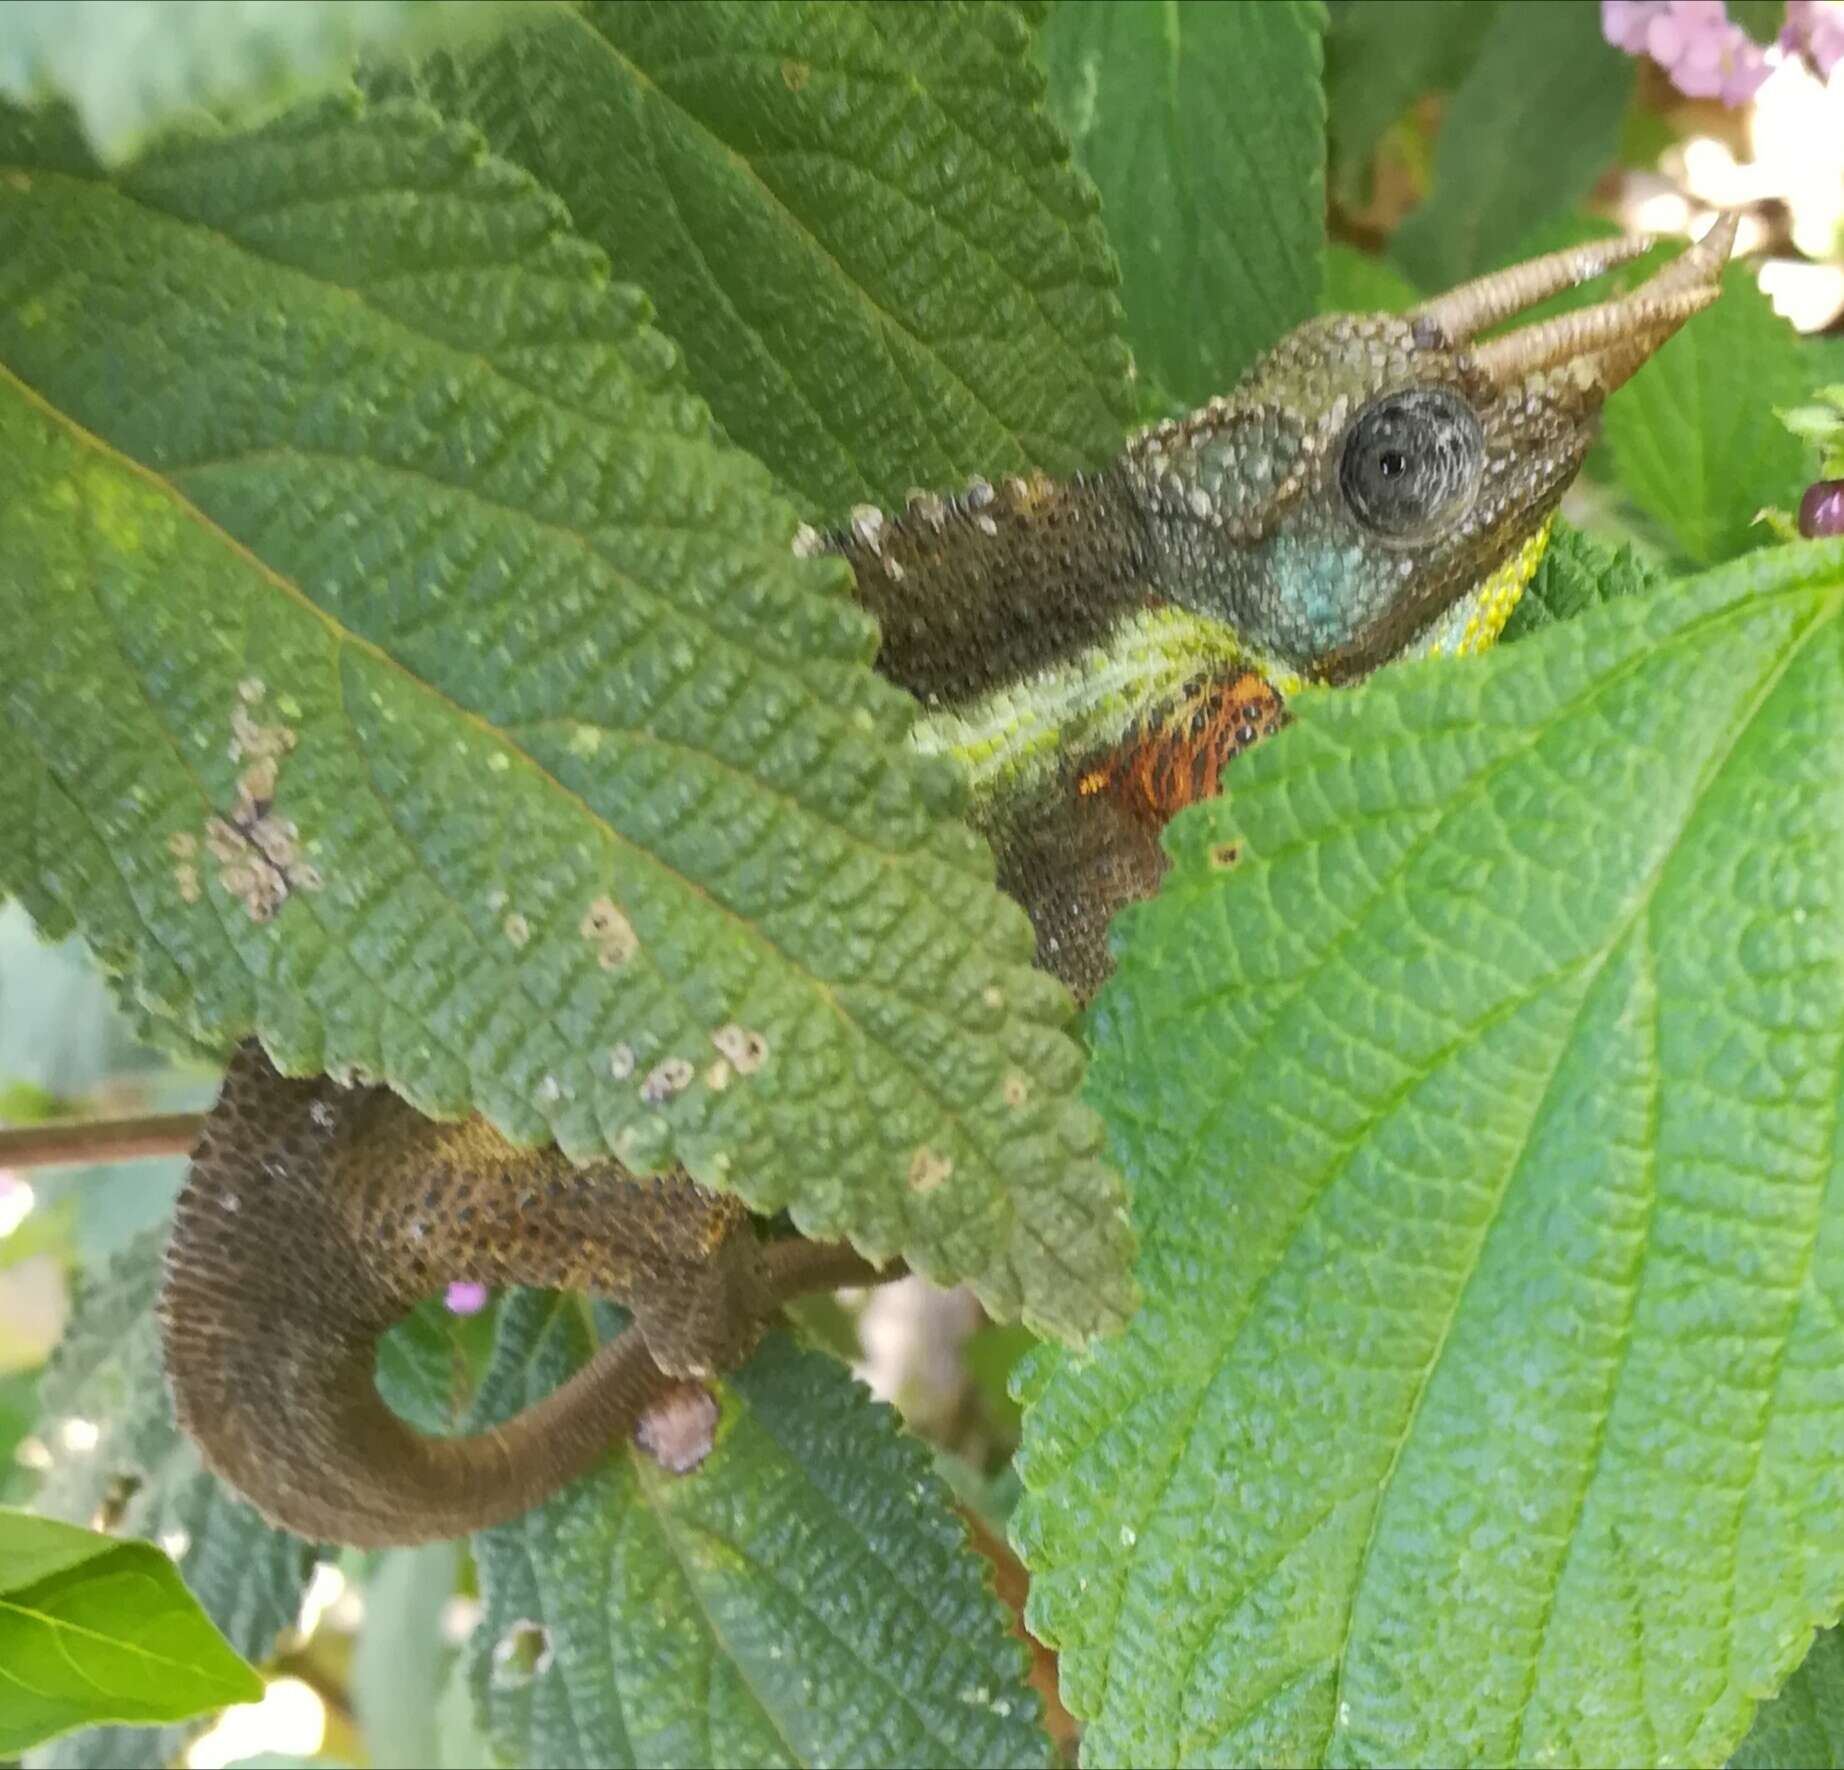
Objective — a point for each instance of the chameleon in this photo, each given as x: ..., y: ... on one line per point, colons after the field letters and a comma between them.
x: 1091, y: 652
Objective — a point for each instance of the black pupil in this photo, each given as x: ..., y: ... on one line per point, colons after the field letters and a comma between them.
x: 1391, y: 462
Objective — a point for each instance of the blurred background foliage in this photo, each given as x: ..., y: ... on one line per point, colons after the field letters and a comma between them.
x: 1433, y: 140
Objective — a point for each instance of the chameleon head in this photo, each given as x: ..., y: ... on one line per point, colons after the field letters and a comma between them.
x: 1380, y: 486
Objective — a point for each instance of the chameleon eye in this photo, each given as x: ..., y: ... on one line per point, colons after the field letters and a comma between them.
x: 1411, y: 460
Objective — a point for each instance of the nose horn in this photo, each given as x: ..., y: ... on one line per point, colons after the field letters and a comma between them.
x: 1616, y: 337
x: 1620, y: 335
x: 1464, y: 312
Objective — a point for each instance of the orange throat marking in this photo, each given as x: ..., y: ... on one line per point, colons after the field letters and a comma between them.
x: 1176, y: 759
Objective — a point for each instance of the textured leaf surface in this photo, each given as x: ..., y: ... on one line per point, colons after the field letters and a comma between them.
x: 854, y: 218
x: 130, y: 66
x: 1577, y: 573
x: 1803, y: 1727
x: 330, y: 462
x: 1204, y: 127
x: 92, y: 1629
x: 803, y: 1597
x: 1532, y: 126
x: 1379, y: 60
x: 1479, y: 1073
x: 117, y: 1454
x: 1694, y: 436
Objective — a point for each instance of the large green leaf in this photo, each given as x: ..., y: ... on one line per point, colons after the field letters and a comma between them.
x: 1204, y: 126
x: 108, y: 1427
x: 334, y: 473
x: 92, y: 1629
x: 1379, y: 59
x: 1803, y: 1727
x: 1694, y: 437
x: 854, y: 218
x: 1479, y: 1072
x: 804, y: 1596
x: 1530, y: 129
x: 129, y: 67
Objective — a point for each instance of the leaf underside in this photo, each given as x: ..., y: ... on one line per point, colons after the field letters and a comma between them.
x: 132, y: 67
x: 804, y: 1596
x: 856, y: 221
x: 368, y: 563
x: 1479, y: 1073
x: 1204, y: 127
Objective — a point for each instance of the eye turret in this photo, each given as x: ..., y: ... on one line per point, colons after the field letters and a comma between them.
x: 1411, y: 462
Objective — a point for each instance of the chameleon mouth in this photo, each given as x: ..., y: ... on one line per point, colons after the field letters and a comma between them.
x: 1605, y: 344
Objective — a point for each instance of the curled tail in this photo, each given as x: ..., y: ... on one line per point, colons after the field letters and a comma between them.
x: 316, y: 1216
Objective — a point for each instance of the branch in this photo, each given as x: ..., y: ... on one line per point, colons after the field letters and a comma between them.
x: 63, y: 1141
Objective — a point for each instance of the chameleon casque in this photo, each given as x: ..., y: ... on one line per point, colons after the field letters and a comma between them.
x: 1093, y: 651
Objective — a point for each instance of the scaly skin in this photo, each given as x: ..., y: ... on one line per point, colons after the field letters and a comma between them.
x: 1092, y: 653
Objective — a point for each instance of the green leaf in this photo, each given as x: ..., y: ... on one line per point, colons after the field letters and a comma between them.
x: 1694, y: 437
x: 1479, y: 1074
x: 132, y: 67
x: 1379, y: 60
x: 1531, y: 128
x: 1803, y: 1727
x: 1357, y: 282
x: 400, y: 1662
x: 804, y: 1596
x: 92, y: 1629
x: 1761, y: 19
x: 18, y: 1411
x: 115, y: 1452
x: 330, y: 446
x: 429, y: 1364
x: 1577, y: 573
x: 1204, y: 126
x: 854, y: 219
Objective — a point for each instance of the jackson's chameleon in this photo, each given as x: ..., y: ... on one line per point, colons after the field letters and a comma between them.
x: 1092, y: 652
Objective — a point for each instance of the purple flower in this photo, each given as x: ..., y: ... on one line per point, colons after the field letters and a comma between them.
x: 1694, y: 41
x: 1815, y: 29
x: 465, y: 1297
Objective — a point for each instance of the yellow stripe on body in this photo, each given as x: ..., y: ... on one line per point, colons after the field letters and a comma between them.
x: 1014, y: 738
x: 1474, y: 622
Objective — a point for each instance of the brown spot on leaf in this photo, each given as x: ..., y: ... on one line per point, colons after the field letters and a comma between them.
x: 927, y: 1170
x: 607, y: 929
x: 795, y: 74
x: 666, y: 1079
x: 258, y: 851
x: 746, y: 1050
x: 1225, y: 855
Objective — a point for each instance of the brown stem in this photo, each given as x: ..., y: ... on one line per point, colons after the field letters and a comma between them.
x: 64, y: 1141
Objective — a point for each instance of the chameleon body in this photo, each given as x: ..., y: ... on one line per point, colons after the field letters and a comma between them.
x: 1092, y: 653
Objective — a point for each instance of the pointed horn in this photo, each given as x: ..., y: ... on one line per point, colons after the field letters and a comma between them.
x: 1640, y: 320
x: 1701, y: 266
x: 1464, y: 312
